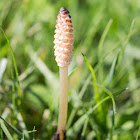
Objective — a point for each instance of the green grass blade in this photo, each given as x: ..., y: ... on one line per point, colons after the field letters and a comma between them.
x: 111, y: 96
x: 13, y: 93
x: 112, y: 128
x: 15, y: 66
x: 1, y: 132
x: 120, y: 91
x: 3, y: 66
x: 100, y: 47
x: 34, y: 133
x: 85, y: 86
x: 108, y: 97
x: 95, y: 24
x: 13, y: 128
x: 71, y: 117
x: 5, y: 130
x: 131, y: 26
x: 125, y: 44
x: 22, y: 124
x: 138, y: 134
x: 84, y: 128
x: 112, y: 70
x: 27, y: 72
x: 97, y: 95
x: 27, y: 132
x: 69, y: 74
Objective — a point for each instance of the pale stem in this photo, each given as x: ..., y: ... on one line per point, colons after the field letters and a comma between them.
x: 63, y: 105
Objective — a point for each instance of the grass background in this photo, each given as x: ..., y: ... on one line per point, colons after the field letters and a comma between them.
x: 107, y: 33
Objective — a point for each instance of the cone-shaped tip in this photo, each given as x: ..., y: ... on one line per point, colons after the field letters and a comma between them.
x: 63, y: 38
x: 63, y: 9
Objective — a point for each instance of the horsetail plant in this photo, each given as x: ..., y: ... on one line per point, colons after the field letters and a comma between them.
x: 63, y: 51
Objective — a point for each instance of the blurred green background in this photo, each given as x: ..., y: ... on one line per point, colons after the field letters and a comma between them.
x: 106, y: 32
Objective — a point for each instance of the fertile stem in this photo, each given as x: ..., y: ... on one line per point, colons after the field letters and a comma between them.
x: 63, y: 51
x: 63, y: 98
